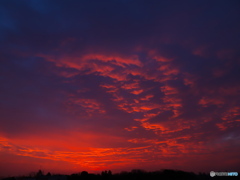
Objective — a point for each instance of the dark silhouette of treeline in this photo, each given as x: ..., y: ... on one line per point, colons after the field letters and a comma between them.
x: 136, y: 174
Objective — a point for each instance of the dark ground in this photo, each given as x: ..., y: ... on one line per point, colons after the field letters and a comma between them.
x: 133, y: 175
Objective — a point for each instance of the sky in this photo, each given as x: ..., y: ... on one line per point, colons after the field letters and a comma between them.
x: 119, y: 84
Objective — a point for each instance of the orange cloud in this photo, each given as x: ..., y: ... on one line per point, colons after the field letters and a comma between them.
x: 231, y: 114
x: 88, y: 158
x: 129, y: 86
x: 100, y: 63
x: 205, y: 102
x: 131, y: 128
x: 137, y: 92
x: 143, y: 140
x: 89, y: 105
x: 111, y: 88
x: 147, y: 97
x: 168, y: 70
x: 155, y: 55
x: 221, y: 126
x: 189, y: 79
x: 155, y: 127
x: 116, y: 59
x: 168, y: 90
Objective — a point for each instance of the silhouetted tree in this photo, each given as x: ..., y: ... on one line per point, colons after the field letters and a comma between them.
x: 84, y: 173
x: 106, y: 174
x: 39, y: 173
x: 135, y: 174
x: 109, y: 172
x: 138, y: 171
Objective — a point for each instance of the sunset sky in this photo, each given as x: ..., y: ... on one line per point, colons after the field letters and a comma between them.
x: 119, y: 84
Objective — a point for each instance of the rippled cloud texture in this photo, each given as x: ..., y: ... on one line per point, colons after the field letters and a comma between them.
x: 116, y: 84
